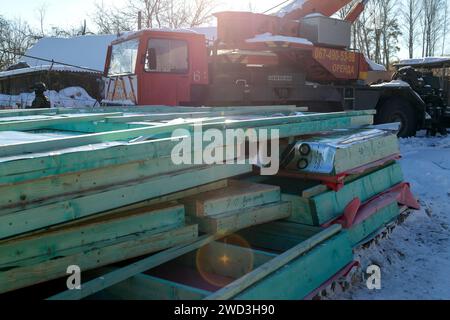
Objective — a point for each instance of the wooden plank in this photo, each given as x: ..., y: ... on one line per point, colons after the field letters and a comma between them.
x: 28, y: 125
x: 16, y: 169
x: 287, y: 126
x: 339, y: 152
x: 275, y: 264
x: 41, y: 217
x: 320, y: 188
x: 176, y: 196
x: 296, y: 279
x: 329, y: 205
x: 50, y: 244
x: 37, y: 192
x: 145, y: 287
x: 239, y: 195
x: 97, y: 257
x: 75, y: 160
x: 234, y: 221
x: 114, y: 277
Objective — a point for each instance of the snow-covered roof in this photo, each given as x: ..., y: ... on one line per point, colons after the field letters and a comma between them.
x: 392, y: 84
x: 210, y: 33
x: 84, y: 51
x: 268, y: 37
x: 375, y: 66
x: 428, y: 61
x: 55, y: 67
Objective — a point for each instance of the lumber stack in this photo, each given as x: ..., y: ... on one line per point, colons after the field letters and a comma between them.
x: 238, y: 206
x: 349, y: 177
x: 96, y: 187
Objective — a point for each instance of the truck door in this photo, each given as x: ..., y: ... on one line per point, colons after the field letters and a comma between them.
x: 165, y: 78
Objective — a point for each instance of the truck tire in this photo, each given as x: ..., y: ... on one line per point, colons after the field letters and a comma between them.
x: 398, y: 110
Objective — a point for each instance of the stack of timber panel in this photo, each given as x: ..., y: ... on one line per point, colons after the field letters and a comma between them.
x: 91, y: 189
x: 347, y: 177
x: 273, y: 261
x: 235, y: 207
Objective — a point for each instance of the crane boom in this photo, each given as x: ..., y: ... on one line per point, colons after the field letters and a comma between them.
x: 356, y: 11
x: 304, y: 7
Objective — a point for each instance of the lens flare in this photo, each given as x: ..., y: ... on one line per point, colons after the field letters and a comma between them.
x: 220, y: 263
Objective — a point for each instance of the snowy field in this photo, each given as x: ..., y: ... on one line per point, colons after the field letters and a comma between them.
x: 415, y: 259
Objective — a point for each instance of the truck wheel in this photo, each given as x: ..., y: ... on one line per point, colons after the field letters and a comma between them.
x: 396, y: 110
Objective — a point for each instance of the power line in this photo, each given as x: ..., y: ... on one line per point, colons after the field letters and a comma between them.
x: 51, y: 61
x: 280, y: 4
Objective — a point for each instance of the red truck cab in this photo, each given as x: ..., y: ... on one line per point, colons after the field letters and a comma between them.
x: 156, y: 67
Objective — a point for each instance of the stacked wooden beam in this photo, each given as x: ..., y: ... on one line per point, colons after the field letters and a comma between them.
x: 349, y: 177
x: 95, y: 187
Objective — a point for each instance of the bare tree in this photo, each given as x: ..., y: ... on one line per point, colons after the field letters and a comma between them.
x: 155, y: 14
x: 444, y: 38
x: 412, y: 12
x: 433, y: 25
x: 110, y: 20
x: 41, y: 14
x: 16, y: 37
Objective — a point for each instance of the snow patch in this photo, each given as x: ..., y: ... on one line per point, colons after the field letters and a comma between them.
x: 268, y: 37
x: 393, y: 84
x: 424, y: 61
x: 83, y: 51
x: 314, y: 15
x: 72, y: 97
x: 415, y: 259
x: 375, y: 66
x: 294, y: 5
x: 59, y: 68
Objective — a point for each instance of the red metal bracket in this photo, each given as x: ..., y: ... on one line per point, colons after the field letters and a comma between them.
x: 336, y: 183
x: 355, y: 212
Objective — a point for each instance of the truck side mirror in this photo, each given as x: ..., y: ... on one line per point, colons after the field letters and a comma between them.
x: 151, y: 59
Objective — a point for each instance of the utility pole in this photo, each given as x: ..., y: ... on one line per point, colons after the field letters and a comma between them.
x: 139, y: 20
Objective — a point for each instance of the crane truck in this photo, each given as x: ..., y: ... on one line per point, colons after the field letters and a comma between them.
x: 299, y: 56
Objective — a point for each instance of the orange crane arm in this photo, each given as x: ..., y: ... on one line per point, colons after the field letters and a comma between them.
x: 325, y: 7
x: 356, y: 11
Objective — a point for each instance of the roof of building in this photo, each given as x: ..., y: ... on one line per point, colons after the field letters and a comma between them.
x: 425, y: 62
x: 87, y: 51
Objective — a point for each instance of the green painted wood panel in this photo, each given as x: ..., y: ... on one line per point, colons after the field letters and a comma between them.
x: 303, y: 275
x: 368, y: 228
x: 238, y: 220
x: 134, y: 246
x: 35, y: 193
x: 287, y: 127
x: 238, y: 195
x: 28, y: 125
x: 329, y: 205
x: 69, y: 210
x: 50, y: 244
x: 145, y: 287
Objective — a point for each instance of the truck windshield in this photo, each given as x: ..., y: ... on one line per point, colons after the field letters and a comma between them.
x: 123, y: 58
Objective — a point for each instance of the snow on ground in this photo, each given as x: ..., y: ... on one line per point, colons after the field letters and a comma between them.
x: 72, y: 97
x: 415, y: 259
